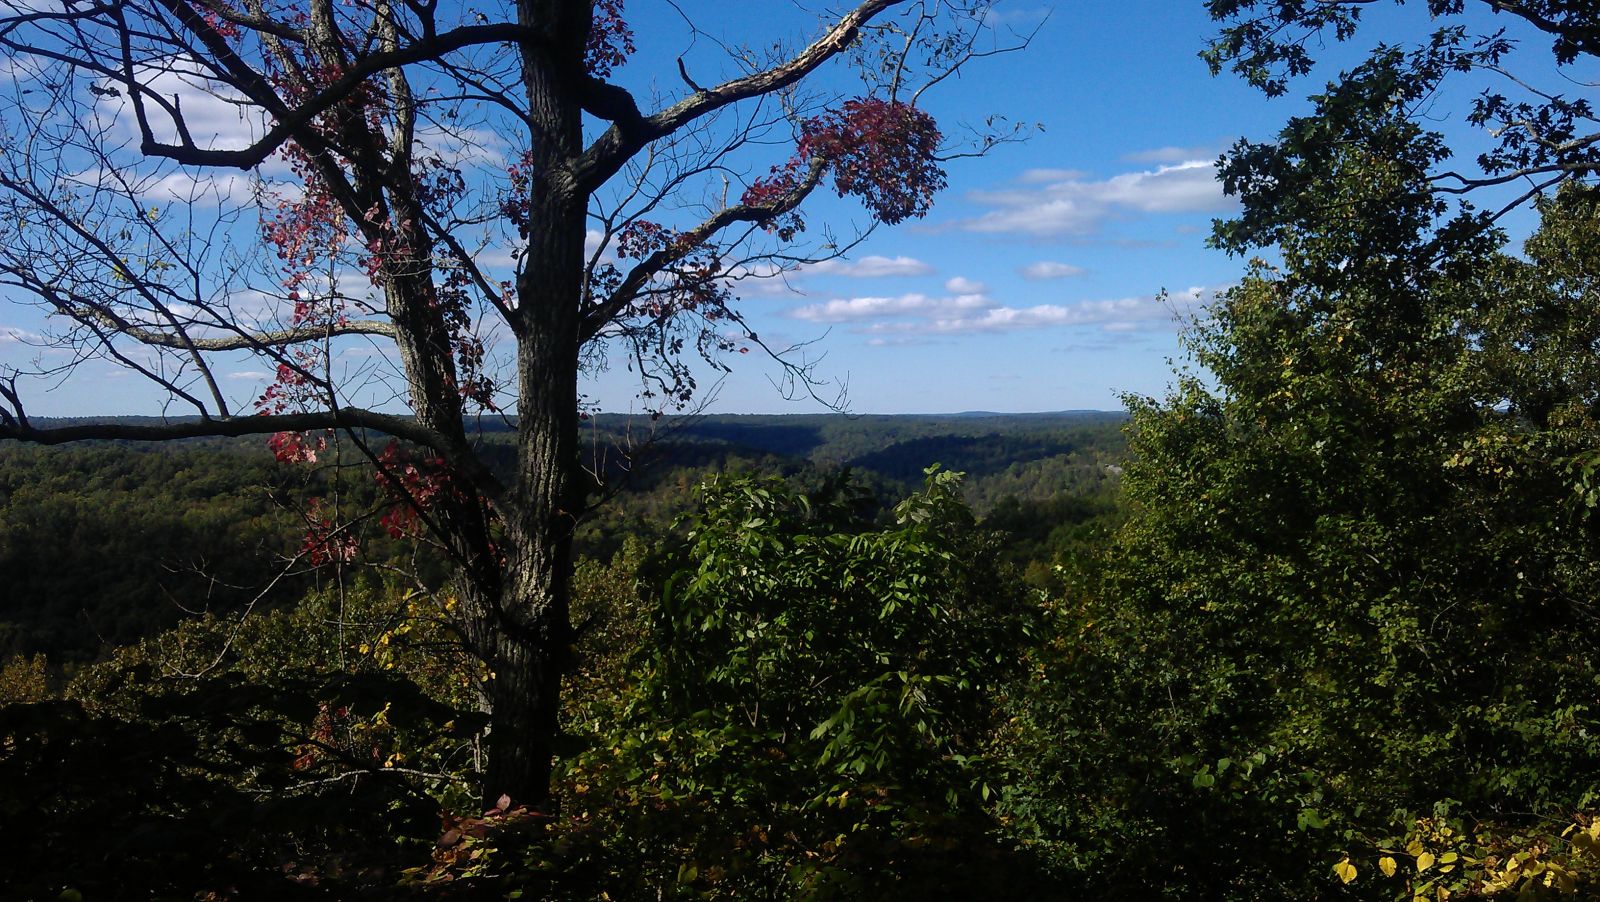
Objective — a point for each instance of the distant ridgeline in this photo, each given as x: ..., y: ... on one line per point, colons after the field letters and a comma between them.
x: 102, y: 543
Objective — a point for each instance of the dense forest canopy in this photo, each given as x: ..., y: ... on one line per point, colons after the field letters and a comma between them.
x: 209, y: 524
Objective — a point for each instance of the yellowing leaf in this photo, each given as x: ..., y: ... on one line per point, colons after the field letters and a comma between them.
x: 1424, y: 861
x: 1345, y: 871
x: 1386, y: 865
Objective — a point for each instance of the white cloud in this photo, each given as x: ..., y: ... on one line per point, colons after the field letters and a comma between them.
x: 904, y: 317
x: 964, y: 285
x: 894, y: 320
x: 761, y: 278
x: 1074, y: 205
x: 1041, y: 176
x: 843, y: 310
x: 13, y: 335
x: 252, y: 375
x: 1049, y: 269
x: 216, y: 116
x: 1015, y: 18
x: 1175, y: 154
x: 462, y: 147
x: 897, y: 341
x: 871, y: 267
x: 1120, y: 315
x: 194, y: 187
x: 22, y: 68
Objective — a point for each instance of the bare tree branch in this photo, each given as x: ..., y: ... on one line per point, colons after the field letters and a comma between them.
x: 603, y: 313
x: 629, y: 134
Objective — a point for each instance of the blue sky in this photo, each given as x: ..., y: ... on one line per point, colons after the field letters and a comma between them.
x: 1034, y: 282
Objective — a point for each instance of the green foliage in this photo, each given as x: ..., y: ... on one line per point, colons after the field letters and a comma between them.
x: 104, y: 544
x: 1054, y: 538
x: 25, y: 679
x: 1358, y: 575
x: 112, y: 544
x: 291, y: 749
x: 807, y: 716
x: 107, y: 544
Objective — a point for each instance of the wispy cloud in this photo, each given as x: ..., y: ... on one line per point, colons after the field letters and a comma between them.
x: 847, y: 310
x: 871, y: 267
x: 14, y: 335
x: 1015, y: 17
x: 1175, y: 154
x: 1043, y: 176
x: 889, y: 320
x: 1073, y: 205
x: 463, y: 146
x: 217, y: 117
x: 193, y: 187
x: 1049, y: 269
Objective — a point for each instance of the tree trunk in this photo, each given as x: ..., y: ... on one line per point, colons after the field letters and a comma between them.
x: 529, y: 646
x: 525, y: 700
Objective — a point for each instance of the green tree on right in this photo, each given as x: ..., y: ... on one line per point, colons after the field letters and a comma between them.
x: 1345, y: 643
x: 1534, y: 110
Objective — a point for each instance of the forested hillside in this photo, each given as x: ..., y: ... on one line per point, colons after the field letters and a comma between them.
x: 106, y: 543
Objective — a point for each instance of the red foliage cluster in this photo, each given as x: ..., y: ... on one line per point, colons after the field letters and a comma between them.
x: 305, y: 229
x: 391, y: 249
x: 323, y: 735
x: 310, y: 228
x: 325, y: 540
x: 641, y: 238
x: 693, y: 281
x: 772, y: 190
x: 363, y: 105
x: 292, y: 389
x: 416, y: 485
x: 516, y: 205
x: 322, y: 541
x: 610, y: 39
x: 396, y: 248
x: 209, y: 12
x: 453, y: 300
x: 296, y: 447
x: 884, y: 152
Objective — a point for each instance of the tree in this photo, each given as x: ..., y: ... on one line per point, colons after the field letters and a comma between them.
x: 1353, y: 601
x: 1542, y: 135
x: 378, y: 198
